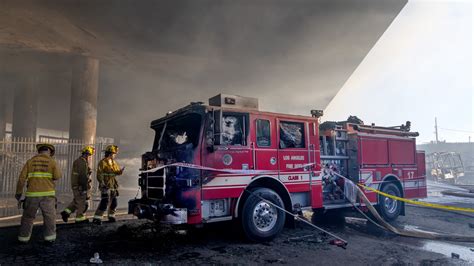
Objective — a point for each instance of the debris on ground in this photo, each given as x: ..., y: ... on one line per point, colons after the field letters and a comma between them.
x: 338, y: 243
x: 306, y: 238
x: 96, y: 259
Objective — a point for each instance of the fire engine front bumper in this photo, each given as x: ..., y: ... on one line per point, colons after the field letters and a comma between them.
x: 164, y: 213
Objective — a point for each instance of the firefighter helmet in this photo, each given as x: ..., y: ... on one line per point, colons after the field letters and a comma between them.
x: 46, y: 145
x: 88, y: 150
x: 112, y: 149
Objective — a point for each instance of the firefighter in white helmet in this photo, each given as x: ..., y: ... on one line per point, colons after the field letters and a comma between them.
x: 81, y: 186
x: 107, y: 171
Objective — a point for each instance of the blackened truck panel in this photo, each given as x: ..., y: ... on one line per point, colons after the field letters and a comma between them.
x: 178, y: 138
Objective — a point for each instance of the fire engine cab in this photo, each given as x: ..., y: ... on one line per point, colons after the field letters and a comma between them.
x: 228, y: 160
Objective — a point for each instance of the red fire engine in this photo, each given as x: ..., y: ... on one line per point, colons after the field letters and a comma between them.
x: 208, y: 163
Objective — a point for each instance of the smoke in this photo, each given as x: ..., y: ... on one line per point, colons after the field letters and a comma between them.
x: 157, y: 56
x: 129, y: 177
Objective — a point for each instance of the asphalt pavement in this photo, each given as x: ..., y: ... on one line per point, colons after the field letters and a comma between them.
x: 131, y: 241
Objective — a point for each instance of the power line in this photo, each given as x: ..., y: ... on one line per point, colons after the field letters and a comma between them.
x: 457, y: 130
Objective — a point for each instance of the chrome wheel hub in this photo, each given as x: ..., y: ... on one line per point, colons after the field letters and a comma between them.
x: 390, y: 205
x: 264, y: 216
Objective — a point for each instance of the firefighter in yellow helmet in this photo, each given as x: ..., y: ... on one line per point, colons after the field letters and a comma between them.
x: 81, y: 186
x: 39, y: 175
x: 107, y: 171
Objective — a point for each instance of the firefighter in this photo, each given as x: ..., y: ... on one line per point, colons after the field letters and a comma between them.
x: 81, y: 186
x: 107, y: 171
x: 39, y: 174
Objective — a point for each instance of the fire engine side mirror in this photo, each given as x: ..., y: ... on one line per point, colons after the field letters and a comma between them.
x: 210, y: 134
x: 217, y: 115
x: 213, y: 135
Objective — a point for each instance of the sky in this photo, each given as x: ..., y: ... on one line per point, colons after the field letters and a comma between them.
x: 421, y: 68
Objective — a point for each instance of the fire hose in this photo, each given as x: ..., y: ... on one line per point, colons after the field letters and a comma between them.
x: 402, y: 232
x: 380, y: 222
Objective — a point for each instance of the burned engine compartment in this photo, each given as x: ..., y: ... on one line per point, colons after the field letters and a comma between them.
x: 177, y: 138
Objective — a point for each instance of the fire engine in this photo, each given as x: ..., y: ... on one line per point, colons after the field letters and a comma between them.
x: 227, y: 160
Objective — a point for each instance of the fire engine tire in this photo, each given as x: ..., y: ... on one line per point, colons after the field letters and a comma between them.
x: 261, y: 221
x: 388, y: 208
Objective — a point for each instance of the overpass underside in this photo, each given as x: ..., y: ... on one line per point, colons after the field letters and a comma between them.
x: 94, y: 58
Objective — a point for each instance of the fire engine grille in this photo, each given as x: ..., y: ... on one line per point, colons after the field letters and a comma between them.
x: 156, y: 181
x: 156, y: 185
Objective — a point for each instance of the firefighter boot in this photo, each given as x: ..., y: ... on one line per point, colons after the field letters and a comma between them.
x: 65, y: 215
x: 97, y: 221
x: 81, y: 219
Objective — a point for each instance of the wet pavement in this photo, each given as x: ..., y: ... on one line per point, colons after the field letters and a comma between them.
x: 140, y: 242
x: 128, y: 242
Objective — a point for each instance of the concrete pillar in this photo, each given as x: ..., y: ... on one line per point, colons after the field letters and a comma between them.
x: 3, y: 112
x: 25, y: 109
x: 84, y: 89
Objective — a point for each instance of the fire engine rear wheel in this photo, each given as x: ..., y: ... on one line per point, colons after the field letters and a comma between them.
x: 262, y: 221
x: 390, y: 209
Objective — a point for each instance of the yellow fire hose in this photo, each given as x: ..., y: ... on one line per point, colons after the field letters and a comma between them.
x: 404, y: 232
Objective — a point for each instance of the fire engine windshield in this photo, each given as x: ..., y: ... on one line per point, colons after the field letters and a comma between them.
x: 178, y: 133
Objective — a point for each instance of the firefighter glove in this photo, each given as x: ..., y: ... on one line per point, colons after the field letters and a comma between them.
x: 18, y: 197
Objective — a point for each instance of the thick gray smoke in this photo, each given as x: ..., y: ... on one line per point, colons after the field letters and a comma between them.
x: 156, y: 56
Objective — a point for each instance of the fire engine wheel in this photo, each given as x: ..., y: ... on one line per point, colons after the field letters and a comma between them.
x: 390, y: 209
x: 262, y: 221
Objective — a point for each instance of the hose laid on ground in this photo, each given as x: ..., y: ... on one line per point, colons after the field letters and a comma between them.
x: 299, y: 218
x: 10, y: 217
x: 403, y: 232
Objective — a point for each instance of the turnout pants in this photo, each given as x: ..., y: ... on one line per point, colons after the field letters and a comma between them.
x: 108, y: 200
x: 48, y: 209
x: 79, y: 205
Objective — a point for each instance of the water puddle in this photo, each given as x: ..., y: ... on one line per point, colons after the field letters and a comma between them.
x: 415, y: 228
x: 447, y: 249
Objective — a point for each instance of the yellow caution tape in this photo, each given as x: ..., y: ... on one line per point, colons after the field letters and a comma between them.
x: 420, y: 203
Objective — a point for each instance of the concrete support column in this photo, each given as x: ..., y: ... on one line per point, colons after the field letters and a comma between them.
x: 3, y: 112
x: 25, y: 109
x: 84, y: 90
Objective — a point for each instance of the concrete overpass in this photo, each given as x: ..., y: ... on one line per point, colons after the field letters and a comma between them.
x: 116, y: 65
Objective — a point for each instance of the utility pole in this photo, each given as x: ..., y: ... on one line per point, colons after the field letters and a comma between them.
x: 436, y: 130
